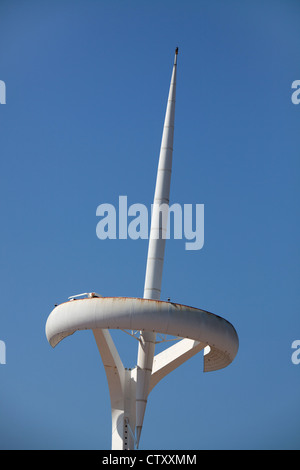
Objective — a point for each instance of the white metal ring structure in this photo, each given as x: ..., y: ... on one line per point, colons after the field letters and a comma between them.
x: 147, y: 315
x: 195, y: 329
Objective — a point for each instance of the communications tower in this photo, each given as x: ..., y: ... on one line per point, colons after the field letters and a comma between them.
x: 144, y: 318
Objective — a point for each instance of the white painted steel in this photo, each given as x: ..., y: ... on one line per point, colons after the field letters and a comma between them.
x: 147, y: 315
x: 173, y: 357
x: 156, y: 251
x: 157, y: 242
x: 129, y: 389
x: 122, y: 390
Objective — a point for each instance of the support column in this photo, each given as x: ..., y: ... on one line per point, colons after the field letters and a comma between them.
x: 122, y: 391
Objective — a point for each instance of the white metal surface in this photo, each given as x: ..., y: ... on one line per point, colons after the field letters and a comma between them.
x: 147, y: 315
x: 196, y: 329
x: 156, y: 251
x: 122, y: 387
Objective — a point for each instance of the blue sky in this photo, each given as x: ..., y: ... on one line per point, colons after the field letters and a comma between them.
x: 86, y: 90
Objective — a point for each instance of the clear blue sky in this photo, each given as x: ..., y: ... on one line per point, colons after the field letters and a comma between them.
x: 87, y: 85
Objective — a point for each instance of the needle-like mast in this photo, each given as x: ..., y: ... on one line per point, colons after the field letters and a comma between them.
x: 156, y: 250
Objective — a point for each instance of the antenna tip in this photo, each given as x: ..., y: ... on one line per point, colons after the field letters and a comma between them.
x: 176, y: 51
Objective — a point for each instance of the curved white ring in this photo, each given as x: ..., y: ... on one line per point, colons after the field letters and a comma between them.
x: 147, y: 315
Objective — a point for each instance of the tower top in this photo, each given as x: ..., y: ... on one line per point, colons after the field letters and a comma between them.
x: 176, y: 54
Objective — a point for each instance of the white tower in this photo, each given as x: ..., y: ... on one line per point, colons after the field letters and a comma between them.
x: 195, y: 329
x: 156, y: 251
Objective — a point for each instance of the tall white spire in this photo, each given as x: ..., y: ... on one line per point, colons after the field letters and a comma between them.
x: 158, y: 230
x: 156, y: 251
x: 194, y: 328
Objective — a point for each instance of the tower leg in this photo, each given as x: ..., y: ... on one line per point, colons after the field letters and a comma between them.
x: 123, y: 418
x: 122, y: 390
